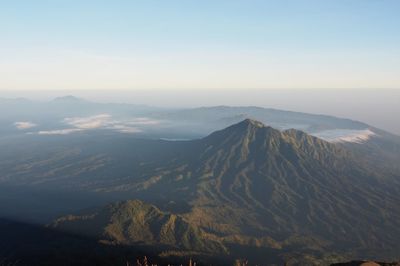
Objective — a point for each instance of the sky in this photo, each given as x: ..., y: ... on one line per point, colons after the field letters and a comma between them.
x: 199, y: 45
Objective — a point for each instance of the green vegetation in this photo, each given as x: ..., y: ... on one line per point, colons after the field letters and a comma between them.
x: 134, y: 222
x: 257, y: 192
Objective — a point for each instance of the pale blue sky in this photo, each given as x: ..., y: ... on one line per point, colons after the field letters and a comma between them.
x: 221, y: 44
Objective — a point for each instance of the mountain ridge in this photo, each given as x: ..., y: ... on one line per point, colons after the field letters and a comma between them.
x: 135, y: 222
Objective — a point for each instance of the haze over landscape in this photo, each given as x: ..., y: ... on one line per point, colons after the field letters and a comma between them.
x: 378, y: 107
x: 200, y: 133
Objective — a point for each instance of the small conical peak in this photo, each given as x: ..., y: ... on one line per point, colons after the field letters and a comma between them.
x: 245, y: 127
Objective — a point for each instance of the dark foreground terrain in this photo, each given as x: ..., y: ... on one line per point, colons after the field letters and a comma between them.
x: 32, y: 245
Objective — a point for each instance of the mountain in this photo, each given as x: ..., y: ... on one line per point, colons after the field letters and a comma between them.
x: 223, y: 116
x: 250, y: 186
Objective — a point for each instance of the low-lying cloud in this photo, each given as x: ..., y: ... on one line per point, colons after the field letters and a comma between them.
x: 345, y: 135
x: 102, y: 121
x: 24, y: 125
x: 90, y: 122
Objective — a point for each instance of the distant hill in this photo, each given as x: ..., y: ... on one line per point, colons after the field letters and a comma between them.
x: 134, y: 222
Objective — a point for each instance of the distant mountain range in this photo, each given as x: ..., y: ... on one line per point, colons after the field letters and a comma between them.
x: 167, y: 123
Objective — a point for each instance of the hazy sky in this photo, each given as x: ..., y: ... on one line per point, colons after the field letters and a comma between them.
x: 95, y: 44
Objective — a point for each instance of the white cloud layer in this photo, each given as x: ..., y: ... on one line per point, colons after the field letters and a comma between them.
x: 90, y: 122
x: 345, y: 135
x: 101, y: 121
x: 24, y: 125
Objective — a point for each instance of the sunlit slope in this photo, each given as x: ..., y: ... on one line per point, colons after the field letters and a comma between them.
x: 135, y: 222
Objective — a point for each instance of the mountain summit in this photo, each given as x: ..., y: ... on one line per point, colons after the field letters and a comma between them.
x: 250, y: 123
x: 253, y: 141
